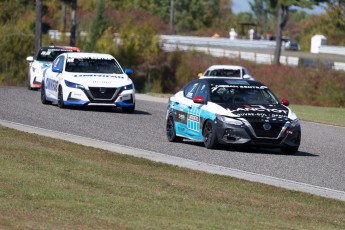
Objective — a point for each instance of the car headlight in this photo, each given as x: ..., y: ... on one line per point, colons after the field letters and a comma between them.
x: 128, y: 87
x: 295, y: 123
x: 74, y: 85
x: 229, y: 120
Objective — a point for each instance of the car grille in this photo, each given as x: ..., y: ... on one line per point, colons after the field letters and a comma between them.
x: 102, y: 93
x: 273, y: 132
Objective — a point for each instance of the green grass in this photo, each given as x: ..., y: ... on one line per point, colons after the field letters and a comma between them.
x: 326, y: 115
x: 53, y: 184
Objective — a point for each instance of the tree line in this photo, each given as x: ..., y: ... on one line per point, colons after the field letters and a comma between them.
x: 127, y: 29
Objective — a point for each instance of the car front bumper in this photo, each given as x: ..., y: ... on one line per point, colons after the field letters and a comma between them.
x: 246, y: 134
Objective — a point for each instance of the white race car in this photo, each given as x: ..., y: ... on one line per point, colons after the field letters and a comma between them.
x: 228, y: 71
x: 44, y: 58
x: 81, y: 79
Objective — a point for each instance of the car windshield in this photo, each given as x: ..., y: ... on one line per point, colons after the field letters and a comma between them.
x: 224, y: 73
x: 90, y: 65
x: 49, y: 54
x: 239, y: 94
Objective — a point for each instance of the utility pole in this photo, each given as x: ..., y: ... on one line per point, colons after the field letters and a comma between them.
x: 63, y: 15
x: 38, y: 26
x: 171, y: 21
x: 73, y: 22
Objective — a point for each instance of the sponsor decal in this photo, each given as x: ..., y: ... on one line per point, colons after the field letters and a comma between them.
x: 98, y: 75
x: 259, y: 108
x: 193, y: 117
x: 51, y: 84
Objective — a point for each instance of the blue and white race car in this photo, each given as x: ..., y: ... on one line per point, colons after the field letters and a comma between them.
x: 44, y: 58
x: 232, y: 111
x: 81, y: 79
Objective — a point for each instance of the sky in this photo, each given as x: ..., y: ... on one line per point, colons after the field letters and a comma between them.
x: 243, y: 6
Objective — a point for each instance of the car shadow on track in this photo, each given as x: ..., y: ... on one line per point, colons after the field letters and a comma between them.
x: 107, y: 109
x: 250, y: 149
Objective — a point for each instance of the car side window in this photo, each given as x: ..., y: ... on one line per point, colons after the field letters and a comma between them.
x: 57, y: 62
x: 202, y: 91
x: 190, y: 90
x: 61, y: 62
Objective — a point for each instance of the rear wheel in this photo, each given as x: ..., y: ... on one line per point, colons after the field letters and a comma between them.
x: 289, y: 150
x: 61, y: 104
x: 171, y: 132
x: 43, y: 96
x: 210, y: 138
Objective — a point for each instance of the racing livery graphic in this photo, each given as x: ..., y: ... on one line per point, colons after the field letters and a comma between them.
x: 229, y: 111
x: 42, y: 61
x: 88, y: 79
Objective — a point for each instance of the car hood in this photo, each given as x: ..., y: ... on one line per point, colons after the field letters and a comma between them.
x: 260, y: 112
x: 98, y: 79
x: 42, y: 65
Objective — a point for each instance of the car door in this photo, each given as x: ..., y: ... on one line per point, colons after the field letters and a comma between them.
x: 182, y: 108
x: 195, y: 111
x: 52, y: 78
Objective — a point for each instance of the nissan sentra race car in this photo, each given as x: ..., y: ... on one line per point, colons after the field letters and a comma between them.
x: 230, y: 111
x: 87, y: 79
x: 44, y: 58
x: 228, y: 71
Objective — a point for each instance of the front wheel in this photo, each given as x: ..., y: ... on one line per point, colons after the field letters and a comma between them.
x: 210, y: 137
x: 60, y: 103
x: 171, y: 132
x: 29, y: 81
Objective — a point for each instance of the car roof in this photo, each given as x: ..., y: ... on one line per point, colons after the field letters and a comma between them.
x: 89, y: 55
x: 224, y: 67
x: 72, y: 48
x: 230, y: 81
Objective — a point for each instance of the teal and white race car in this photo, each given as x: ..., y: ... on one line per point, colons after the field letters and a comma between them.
x: 232, y: 111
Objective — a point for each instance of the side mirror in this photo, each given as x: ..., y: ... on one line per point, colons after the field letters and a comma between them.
x: 199, y: 100
x: 128, y: 71
x: 30, y: 59
x: 199, y: 74
x: 285, y: 102
x: 56, y: 69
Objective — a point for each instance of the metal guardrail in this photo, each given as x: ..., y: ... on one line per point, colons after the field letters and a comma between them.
x: 340, y: 50
x: 216, y: 42
x: 221, y: 47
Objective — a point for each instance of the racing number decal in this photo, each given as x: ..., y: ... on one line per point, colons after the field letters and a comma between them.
x: 193, y: 119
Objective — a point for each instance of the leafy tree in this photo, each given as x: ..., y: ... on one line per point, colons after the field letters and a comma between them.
x: 98, y: 26
x: 16, y: 42
x: 283, y: 16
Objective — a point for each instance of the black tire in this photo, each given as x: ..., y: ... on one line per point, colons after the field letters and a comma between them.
x: 210, y: 137
x: 171, y: 132
x: 60, y: 99
x: 43, y: 96
x: 28, y: 81
x: 289, y: 150
x: 128, y: 109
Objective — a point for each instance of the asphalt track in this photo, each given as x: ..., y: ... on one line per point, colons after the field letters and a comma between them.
x: 318, y: 167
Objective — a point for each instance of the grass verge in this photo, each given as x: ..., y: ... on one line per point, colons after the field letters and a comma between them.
x: 326, y: 115
x: 47, y: 183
